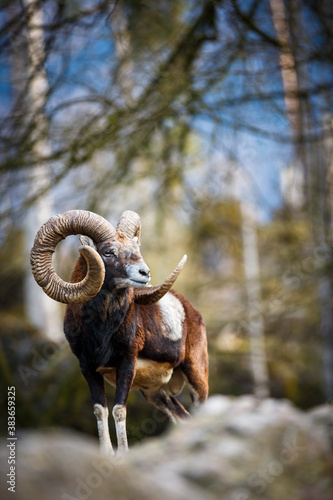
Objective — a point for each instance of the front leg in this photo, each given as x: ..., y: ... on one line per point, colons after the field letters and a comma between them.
x: 101, y: 411
x: 124, y: 378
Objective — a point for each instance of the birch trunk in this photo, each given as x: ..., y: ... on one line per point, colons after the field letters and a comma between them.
x: 253, y: 289
x: 297, y: 171
x: 288, y: 68
x: 42, y: 311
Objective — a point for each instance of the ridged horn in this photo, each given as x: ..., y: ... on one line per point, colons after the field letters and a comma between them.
x: 151, y: 294
x: 130, y: 224
x: 47, y: 238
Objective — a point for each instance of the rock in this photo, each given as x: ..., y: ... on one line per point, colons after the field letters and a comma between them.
x: 232, y: 449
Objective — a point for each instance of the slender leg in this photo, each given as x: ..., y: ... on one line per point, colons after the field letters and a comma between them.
x: 170, y: 406
x: 97, y: 389
x: 195, y: 367
x: 102, y: 415
x: 124, y: 378
x: 179, y: 408
x: 197, y: 379
x: 119, y: 415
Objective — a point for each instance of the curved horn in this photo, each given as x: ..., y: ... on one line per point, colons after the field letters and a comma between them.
x: 47, y: 238
x: 151, y: 294
x: 130, y: 224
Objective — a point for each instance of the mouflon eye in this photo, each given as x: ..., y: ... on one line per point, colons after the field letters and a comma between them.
x: 107, y: 253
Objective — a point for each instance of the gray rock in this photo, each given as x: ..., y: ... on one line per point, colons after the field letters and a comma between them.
x: 232, y: 449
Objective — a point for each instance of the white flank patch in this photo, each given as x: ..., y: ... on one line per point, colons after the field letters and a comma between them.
x: 173, y: 315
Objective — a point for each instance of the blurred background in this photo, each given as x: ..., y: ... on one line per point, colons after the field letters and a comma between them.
x: 214, y: 121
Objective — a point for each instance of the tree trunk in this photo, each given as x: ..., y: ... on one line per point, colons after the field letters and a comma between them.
x: 122, y: 39
x: 255, y: 319
x: 42, y: 311
x: 295, y: 174
x: 315, y: 170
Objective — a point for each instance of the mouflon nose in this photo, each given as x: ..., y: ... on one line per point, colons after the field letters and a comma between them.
x: 144, y: 271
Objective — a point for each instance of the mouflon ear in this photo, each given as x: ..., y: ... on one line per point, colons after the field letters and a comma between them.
x: 86, y: 241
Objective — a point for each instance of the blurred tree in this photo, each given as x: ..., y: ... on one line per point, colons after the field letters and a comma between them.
x: 309, y: 158
x: 145, y: 104
x: 255, y: 322
x: 43, y: 313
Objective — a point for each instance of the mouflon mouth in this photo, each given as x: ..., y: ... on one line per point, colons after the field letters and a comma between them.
x: 131, y: 283
x: 141, y: 282
x: 150, y: 294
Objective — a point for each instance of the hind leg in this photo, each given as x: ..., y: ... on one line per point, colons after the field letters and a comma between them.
x: 168, y: 405
x: 195, y: 370
x: 195, y: 364
x: 197, y: 384
x: 179, y: 408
